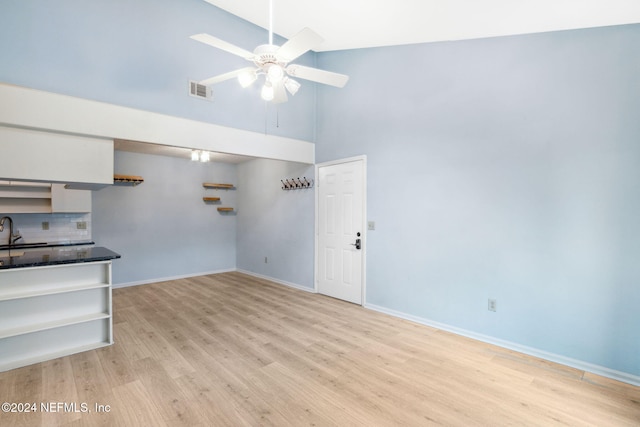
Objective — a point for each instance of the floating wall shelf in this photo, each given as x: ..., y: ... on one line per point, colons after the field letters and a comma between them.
x: 127, y: 179
x: 219, y: 186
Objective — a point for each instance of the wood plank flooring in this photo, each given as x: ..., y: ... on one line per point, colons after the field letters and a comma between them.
x: 232, y: 350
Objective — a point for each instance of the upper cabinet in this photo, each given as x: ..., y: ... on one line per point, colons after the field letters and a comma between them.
x: 69, y: 200
x: 29, y: 155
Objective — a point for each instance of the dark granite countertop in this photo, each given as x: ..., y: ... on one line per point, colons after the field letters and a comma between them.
x: 46, y: 245
x: 18, y: 258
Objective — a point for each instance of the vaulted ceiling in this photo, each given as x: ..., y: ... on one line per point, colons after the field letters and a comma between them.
x: 349, y: 24
x: 352, y: 24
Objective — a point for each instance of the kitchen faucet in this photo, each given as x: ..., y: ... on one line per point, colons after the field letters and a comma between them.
x: 12, y: 237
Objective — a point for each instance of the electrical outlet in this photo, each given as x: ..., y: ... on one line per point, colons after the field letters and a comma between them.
x: 492, y: 305
x: 45, y: 225
x: 371, y: 225
x: 81, y: 225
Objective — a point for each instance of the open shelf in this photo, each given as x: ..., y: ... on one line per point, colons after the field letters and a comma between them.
x: 219, y: 186
x: 16, y: 283
x: 225, y: 209
x: 47, y: 344
x: 52, y: 311
x: 21, y: 197
x: 6, y: 333
x: 211, y: 199
x: 52, y: 355
x: 127, y: 179
x: 52, y: 291
x: 23, y: 192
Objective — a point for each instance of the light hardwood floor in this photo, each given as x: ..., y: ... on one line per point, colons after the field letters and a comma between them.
x: 233, y: 350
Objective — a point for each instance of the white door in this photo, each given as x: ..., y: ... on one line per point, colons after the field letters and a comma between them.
x: 341, y: 232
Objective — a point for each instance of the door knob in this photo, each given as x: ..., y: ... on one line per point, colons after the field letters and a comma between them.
x: 357, y: 244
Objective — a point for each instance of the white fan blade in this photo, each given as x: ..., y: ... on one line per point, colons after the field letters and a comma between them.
x: 301, y: 43
x: 225, y: 76
x: 279, y: 93
x: 317, y: 75
x: 221, y: 44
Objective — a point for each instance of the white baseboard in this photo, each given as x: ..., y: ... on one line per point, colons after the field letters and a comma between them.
x: 278, y: 281
x: 166, y: 279
x: 578, y: 364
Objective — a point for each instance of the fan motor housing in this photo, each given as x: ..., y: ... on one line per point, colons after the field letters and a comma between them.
x: 266, y: 55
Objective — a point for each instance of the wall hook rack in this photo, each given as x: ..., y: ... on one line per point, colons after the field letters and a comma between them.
x: 296, y: 183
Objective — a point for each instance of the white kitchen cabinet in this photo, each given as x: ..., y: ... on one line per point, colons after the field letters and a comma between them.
x: 53, y: 311
x: 69, y: 200
x: 31, y: 155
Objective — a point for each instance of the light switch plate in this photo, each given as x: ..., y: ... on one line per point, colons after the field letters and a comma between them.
x: 371, y: 225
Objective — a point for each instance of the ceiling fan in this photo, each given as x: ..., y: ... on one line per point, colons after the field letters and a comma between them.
x: 274, y: 63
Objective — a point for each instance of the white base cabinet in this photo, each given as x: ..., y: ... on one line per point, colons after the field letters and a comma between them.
x: 53, y: 311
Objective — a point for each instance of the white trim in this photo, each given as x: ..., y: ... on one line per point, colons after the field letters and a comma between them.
x: 206, y: 273
x: 278, y: 281
x: 557, y: 358
x: 363, y: 159
x: 316, y: 227
x: 341, y: 161
x: 78, y: 116
x: 167, y: 279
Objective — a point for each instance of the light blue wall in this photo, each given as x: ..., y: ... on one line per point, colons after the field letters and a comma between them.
x: 504, y: 168
x: 138, y: 54
x: 274, y: 223
x: 162, y: 227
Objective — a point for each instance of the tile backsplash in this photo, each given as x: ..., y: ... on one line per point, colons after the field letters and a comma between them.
x: 62, y: 227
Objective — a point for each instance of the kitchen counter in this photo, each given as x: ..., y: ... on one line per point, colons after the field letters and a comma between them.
x: 53, y: 255
x: 46, y: 245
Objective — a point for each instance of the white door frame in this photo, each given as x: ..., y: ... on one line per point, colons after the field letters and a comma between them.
x: 365, y: 242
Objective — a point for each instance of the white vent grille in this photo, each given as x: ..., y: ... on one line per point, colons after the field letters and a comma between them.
x: 199, y: 91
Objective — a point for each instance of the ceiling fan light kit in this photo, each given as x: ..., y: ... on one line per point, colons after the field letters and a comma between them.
x: 273, y: 62
x: 247, y: 78
x: 267, y: 91
x: 291, y: 85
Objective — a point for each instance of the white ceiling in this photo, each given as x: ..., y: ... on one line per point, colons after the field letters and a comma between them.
x: 349, y: 24
x: 171, y: 151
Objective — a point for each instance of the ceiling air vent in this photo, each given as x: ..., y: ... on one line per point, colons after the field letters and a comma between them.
x: 199, y: 91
